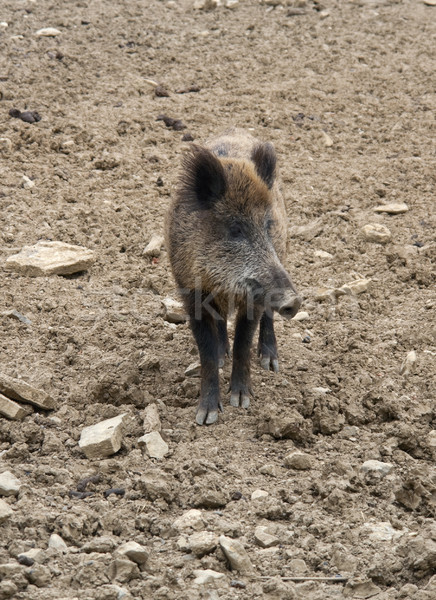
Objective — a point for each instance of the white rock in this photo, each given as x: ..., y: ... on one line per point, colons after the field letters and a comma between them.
x: 57, y: 543
x: 51, y: 258
x: 383, y: 531
x: 9, y: 484
x: 206, y: 4
x: 297, y: 566
x: 322, y: 254
x: 174, y: 311
x: 36, y: 554
x: 394, y: 208
x: 206, y: 576
x: 202, y: 542
x: 358, y: 286
x: 153, y: 248
x: 301, y: 316
x: 3, y: 24
x: 231, y: 3
x: 377, y: 467
x: 28, y: 184
x: 5, y: 511
x: 328, y: 142
x: 263, y: 538
x: 22, y: 391
x: 432, y: 438
x: 47, y: 32
x: 408, y: 363
x: 324, y: 293
x: 236, y: 554
x: 155, y: 445
x: 259, y: 494
x: 193, y: 370
x: 375, y: 232
x: 102, y: 439
x: 321, y: 390
x: 192, y: 519
x: 134, y: 551
x: 151, y: 419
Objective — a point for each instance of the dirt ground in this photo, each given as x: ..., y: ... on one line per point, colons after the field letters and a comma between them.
x: 346, y: 92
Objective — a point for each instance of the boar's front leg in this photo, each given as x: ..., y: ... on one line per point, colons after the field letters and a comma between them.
x: 267, y: 347
x: 240, y: 384
x: 203, y: 321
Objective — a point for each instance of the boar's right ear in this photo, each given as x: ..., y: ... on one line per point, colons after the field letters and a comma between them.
x: 265, y: 161
x: 203, y: 178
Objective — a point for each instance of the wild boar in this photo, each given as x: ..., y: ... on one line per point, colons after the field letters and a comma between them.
x: 226, y: 239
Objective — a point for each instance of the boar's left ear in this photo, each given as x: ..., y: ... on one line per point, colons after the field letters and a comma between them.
x: 265, y: 161
x: 203, y: 177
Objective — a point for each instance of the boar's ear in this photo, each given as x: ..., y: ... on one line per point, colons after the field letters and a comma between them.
x: 265, y: 161
x: 203, y: 177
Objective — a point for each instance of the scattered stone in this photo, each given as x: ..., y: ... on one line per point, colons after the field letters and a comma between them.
x: 299, y: 461
x: 269, y: 469
x: 358, y: 286
x: 14, y: 314
x: 210, y: 499
x: 206, y: 576
x: 28, y: 116
x: 192, y: 519
x: 394, y: 208
x: 28, y: 184
x: 174, y: 311
x: 9, y: 484
x: 430, y: 2
x: 206, y: 4
x: 408, y: 364
x: 5, y: 511
x: 202, y: 542
x: 375, y: 232
x: 102, y: 439
x: 263, y: 538
x: 50, y: 258
x: 324, y: 293
x: 123, y: 570
x: 34, y: 555
x: 134, y: 551
x: 47, y: 32
x: 155, y: 445
x: 301, y: 316
x: 19, y: 390
x: 55, y: 541
x: 193, y: 370
x: 348, y: 432
x: 322, y: 254
x: 287, y: 425
x: 160, y: 91
x: 328, y: 142
x: 376, y: 467
x: 10, y: 409
x: 103, y: 544
x: 175, y: 124
x: 307, y: 232
x: 383, y: 532
x: 361, y: 589
x: 237, y: 583
x: 298, y: 566
x: 154, y: 246
x: 156, y: 484
x: 39, y: 575
x: 432, y: 438
x: 259, y: 494
x: 231, y: 4
x: 236, y: 554
x: 151, y: 419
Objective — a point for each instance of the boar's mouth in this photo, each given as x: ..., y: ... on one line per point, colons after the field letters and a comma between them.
x: 284, y: 301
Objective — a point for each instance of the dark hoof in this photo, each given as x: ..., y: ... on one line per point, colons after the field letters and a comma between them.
x: 269, y: 363
x: 207, y: 415
x: 239, y: 399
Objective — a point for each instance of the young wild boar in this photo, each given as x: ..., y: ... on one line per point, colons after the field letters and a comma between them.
x: 226, y: 238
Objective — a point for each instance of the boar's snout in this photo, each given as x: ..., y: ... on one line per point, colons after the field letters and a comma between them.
x: 290, y: 306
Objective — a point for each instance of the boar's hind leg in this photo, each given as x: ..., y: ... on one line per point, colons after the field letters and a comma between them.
x: 240, y: 385
x: 223, y: 342
x: 267, y: 347
x: 206, y: 335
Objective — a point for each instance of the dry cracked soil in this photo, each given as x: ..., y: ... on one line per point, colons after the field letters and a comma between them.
x: 346, y: 92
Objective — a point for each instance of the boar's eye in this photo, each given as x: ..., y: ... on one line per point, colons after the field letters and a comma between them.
x: 270, y: 226
x: 235, y: 231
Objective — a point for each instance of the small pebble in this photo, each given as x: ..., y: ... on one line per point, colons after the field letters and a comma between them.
x: 156, y: 447
x: 328, y: 142
x: 394, y: 208
x: 376, y: 467
x: 259, y: 494
x: 322, y: 254
x: 47, y: 32
x: 9, y: 484
x: 375, y: 232
x: 301, y: 316
x: 299, y: 461
x: 408, y: 364
x: 28, y: 184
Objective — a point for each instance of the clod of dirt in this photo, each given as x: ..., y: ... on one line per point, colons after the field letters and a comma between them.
x: 28, y: 116
x: 161, y: 91
x: 188, y: 90
x: 175, y: 124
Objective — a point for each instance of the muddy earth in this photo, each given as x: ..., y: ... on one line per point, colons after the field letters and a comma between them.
x: 346, y: 92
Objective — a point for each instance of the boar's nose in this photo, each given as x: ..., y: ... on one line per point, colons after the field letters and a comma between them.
x: 290, y: 306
